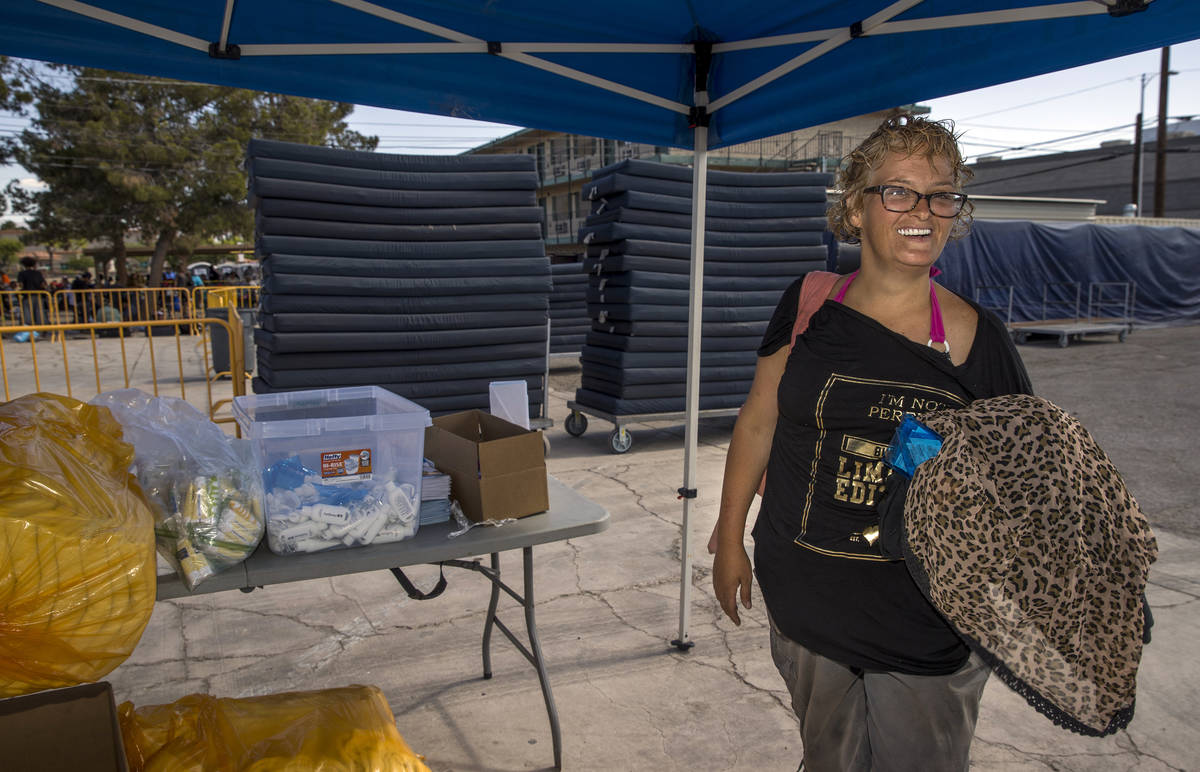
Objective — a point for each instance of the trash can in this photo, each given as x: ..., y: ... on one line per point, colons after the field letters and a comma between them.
x: 220, y: 338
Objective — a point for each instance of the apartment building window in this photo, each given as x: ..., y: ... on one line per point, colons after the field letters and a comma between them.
x: 539, y: 151
x: 586, y: 155
x: 560, y: 155
x: 560, y: 206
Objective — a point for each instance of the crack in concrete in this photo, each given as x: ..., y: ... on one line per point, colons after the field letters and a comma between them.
x: 638, y: 497
x: 1139, y: 753
x: 358, y: 604
x: 723, y: 636
x: 335, y: 640
x: 599, y: 596
x: 1177, y: 584
x: 650, y: 720
x: 275, y: 615
x: 1019, y: 753
x: 1157, y: 606
x: 1058, y: 759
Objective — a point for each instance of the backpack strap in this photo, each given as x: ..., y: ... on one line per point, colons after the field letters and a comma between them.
x: 813, y: 293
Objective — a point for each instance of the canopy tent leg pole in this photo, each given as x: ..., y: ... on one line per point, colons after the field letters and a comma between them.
x: 692, y: 406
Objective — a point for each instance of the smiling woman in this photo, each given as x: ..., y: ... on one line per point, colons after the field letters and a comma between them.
x: 873, y: 669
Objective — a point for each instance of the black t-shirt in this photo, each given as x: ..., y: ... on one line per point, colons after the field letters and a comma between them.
x: 31, y: 279
x: 847, y: 383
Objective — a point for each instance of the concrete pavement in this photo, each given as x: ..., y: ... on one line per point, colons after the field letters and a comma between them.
x: 607, y: 608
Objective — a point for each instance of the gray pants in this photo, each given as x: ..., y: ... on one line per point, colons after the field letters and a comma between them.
x: 876, y: 720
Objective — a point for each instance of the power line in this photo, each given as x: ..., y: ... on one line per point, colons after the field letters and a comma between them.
x: 1057, y: 168
x: 1048, y: 99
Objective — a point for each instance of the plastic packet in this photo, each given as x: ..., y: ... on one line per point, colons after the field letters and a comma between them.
x: 308, y: 514
x: 465, y: 524
x: 203, y: 484
x: 76, y: 544
x: 912, y: 444
x: 348, y: 728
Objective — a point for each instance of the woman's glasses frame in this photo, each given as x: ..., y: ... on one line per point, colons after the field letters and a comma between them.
x: 893, y: 196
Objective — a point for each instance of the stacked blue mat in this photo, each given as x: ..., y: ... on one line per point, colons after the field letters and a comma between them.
x: 569, y: 321
x: 763, y: 230
x: 426, y: 275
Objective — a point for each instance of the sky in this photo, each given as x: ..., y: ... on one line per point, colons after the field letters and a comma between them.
x: 1068, y: 110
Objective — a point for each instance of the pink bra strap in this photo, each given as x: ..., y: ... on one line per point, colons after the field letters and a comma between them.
x: 937, y: 330
x: 838, y: 298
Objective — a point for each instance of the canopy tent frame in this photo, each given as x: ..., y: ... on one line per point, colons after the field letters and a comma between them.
x: 699, y: 114
x: 457, y: 42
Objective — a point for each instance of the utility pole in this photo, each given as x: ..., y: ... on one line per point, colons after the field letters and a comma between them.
x: 1160, y: 144
x: 1138, y: 150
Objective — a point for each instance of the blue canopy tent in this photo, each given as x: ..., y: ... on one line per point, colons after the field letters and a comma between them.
x: 699, y: 74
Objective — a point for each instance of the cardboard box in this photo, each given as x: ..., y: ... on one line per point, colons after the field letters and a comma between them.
x: 497, y: 469
x: 74, y: 728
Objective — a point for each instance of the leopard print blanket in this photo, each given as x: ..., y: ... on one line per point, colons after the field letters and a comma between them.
x: 1024, y: 536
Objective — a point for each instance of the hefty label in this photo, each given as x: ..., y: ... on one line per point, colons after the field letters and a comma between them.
x: 338, y: 466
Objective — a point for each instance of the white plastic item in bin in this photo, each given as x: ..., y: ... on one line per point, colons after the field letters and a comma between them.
x: 341, y: 467
x: 510, y: 400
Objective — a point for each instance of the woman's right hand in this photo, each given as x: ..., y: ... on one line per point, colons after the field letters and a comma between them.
x: 731, y: 578
x: 749, y: 448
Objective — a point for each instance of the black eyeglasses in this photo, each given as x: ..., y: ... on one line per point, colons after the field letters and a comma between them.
x: 897, y: 198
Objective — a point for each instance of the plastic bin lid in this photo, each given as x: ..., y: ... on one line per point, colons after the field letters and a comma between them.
x: 315, y: 412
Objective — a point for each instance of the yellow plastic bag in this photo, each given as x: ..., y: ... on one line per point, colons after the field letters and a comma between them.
x: 76, y: 544
x: 349, y: 729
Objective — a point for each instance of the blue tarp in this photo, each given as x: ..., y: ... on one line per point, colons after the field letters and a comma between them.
x: 1162, y: 263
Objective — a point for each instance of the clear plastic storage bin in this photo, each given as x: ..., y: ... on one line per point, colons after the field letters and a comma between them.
x: 341, y: 467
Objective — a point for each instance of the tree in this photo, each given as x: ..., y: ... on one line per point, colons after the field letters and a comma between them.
x: 14, y: 98
x: 121, y: 154
x: 78, y: 264
x: 9, y: 249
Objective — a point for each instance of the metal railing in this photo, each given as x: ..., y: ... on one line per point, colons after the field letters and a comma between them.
x: 32, y: 365
x: 20, y: 307
x: 238, y: 296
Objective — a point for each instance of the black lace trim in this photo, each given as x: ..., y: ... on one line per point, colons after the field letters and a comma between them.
x: 1119, y: 721
x: 1036, y: 700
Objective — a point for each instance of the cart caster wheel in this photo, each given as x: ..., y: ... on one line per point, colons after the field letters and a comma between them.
x: 620, y: 440
x: 546, y: 444
x: 1022, y: 337
x: 1063, y: 341
x: 1122, y: 335
x: 576, y: 424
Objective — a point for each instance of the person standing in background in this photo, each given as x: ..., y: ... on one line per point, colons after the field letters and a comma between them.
x: 30, y: 279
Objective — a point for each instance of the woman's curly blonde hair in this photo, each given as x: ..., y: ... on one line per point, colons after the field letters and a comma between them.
x: 907, y: 135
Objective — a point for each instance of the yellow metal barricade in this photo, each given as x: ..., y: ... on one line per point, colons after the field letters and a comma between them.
x: 26, y: 308
x: 124, y: 354
x: 216, y: 296
x: 132, y: 304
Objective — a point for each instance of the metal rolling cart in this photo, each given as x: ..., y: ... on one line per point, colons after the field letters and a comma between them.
x: 1109, y: 310
x: 621, y: 439
x: 997, y: 298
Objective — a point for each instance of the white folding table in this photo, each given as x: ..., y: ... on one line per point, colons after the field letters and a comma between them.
x: 570, y: 515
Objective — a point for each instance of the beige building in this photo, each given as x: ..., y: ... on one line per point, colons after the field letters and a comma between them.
x: 566, y: 161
